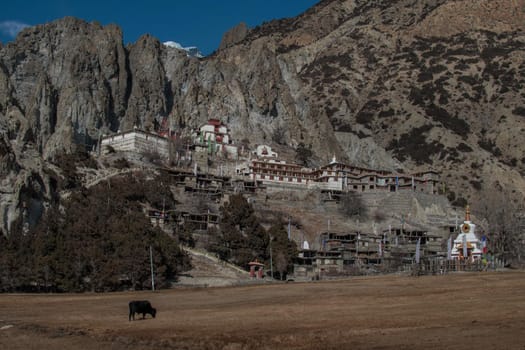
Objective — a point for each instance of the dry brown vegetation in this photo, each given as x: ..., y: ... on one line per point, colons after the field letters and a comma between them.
x: 460, y: 311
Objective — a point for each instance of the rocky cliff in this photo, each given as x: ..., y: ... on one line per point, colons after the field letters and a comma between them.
x: 396, y: 84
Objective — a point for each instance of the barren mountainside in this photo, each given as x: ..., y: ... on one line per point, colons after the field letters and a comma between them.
x: 403, y: 85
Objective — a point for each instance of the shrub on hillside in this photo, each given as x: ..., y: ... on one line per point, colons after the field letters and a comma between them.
x: 519, y: 111
x: 69, y: 162
x: 303, y: 154
x: 351, y: 205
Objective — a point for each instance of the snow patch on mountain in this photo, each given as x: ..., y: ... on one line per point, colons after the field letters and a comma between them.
x: 191, y: 51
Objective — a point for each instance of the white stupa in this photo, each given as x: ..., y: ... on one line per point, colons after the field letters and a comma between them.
x: 467, y: 245
x: 306, y: 246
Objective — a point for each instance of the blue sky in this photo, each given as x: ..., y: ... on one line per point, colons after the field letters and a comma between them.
x: 190, y: 22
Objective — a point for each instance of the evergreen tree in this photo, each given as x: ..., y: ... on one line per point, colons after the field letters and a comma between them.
x: 303, y: 154
x: 97, y: 240
x: 16, y: 268
x: 284, y: 251
x: 351, y: 204
x: 241, y: 237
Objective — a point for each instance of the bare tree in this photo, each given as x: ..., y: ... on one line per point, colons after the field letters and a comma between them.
x: 152, y: 156
x: 179, y: 148
x: 504, y: 224
x: 281, y: 264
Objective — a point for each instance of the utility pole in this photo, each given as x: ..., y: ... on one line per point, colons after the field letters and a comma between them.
x: 271, y: 260
x: 151, y: 266
x: 358, y: 237
x: 163, y: 211
x: 99, y: 143
x: 357, y: 246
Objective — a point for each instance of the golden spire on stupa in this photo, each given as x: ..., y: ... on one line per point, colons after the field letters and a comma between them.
x: 467, y: 213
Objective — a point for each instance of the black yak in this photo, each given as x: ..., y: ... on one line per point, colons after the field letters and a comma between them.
x: 141, y: 307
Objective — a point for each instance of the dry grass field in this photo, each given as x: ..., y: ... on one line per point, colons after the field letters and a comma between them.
x: 457, y: 311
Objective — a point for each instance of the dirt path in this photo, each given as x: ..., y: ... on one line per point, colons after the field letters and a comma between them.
x: 208, y: 270
x: 461, y: 311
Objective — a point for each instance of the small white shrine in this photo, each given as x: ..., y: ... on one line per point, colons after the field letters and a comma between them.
x: 467, y: 245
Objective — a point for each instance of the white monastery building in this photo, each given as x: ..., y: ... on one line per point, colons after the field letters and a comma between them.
x: 136, y: 141
x: 264, y: 151
x: 214, y: 137
x: 338, y: 176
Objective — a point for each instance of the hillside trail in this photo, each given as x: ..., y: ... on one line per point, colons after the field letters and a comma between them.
x: 209, y: 271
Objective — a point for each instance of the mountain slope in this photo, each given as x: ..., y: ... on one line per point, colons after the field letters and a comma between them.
x: 386, y: 84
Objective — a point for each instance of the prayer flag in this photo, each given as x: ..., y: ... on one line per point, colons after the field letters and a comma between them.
x: 418, y: 247
x: 289, y: 229
x: 465, y: 252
